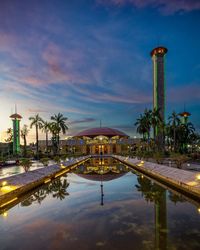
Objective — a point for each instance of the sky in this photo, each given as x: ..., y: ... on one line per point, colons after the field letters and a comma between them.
x: 90, y: 60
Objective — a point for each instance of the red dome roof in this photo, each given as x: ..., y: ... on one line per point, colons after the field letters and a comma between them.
x: 16, y: 116
x: 93, y: 132
x: 99, y: 177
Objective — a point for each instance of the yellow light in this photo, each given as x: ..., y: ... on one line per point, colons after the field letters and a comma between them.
x: 8, y: 202
x: 4, y: 183
x: 192, y: 183
x: 199, y: 209
x: 142, y: 176
x: 47, y: 180
x: 198, y: 177
x: 7, y: 189
x: 142, y: 162
x: 5, y: 214
x: 62, y: 166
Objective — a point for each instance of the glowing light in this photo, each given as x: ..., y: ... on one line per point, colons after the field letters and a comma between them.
x: 47, y: 180
x: 198, y: 209
x: 142, y: 162
x: 198, y: 177
x: 192, y: 183
x: 8, y: 202
x: 5, y: 214
x: 7, y: 189
x: 4, y: 183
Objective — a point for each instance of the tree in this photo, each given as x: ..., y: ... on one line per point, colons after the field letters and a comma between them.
x: 24, y: 133
x: 58, y: 125
x: 174, y: 121
x: 26, y: 164
x: 37, y: 122
x: 9, y: 133
x: 141, y: 126
x: 156, y: 121
x: 46, y: 129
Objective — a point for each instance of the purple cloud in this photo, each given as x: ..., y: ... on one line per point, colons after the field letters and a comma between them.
x: 166, y: 7
x: 85, y: 120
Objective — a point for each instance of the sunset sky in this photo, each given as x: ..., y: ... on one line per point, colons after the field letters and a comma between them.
x: 90, y: 59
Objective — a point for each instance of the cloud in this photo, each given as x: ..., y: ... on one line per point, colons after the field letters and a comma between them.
x: 85, y: 120
x: 36, y: 110
x: 183, y: 93
x: 166, y: 7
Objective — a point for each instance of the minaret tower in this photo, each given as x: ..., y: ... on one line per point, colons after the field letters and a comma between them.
x: 158, y: 57
x: 16, y: 118
x: 185, y: 115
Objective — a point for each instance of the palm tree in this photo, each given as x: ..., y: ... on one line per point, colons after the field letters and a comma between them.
x: 59, y: 125
x: 148, y: 117
x: 46, y: 129
x: 141, y: 126
x: 9, y: 132
x: 174, y: 121
x: 155, y: 120
x: 37, y: 122
x: 24, y: 133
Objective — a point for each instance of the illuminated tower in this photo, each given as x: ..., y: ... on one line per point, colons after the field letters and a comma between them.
x: 16, y: 133
x: 185, y: 116
x: 158, y: 57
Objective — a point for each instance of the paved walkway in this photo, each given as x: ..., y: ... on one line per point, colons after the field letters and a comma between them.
x: 11, y: 187
x: 185, y: 180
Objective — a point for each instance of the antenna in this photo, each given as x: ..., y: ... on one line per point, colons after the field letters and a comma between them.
x: 15, y: 108
x: 100, y: 123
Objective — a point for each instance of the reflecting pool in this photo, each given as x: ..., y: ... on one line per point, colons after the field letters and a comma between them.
x: 101, y: 205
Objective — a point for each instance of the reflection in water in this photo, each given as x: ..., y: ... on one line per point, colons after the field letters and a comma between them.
x: 159, y: 220
x: 154, y: 193
x: 58, y: 189
x: 102, y: 169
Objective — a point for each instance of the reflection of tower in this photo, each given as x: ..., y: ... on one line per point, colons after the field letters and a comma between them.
x: 102, y: 194
x: 161, y: 222
x: 16, y: 132
x: 158, y: 56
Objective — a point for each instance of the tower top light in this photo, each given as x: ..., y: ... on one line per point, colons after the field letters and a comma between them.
x: 159, y: 51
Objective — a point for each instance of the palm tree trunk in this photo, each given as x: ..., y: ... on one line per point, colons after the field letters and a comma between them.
x: 37, y: 146
x: 46, y: 141
x: 58, y: 149
x: 24, y: 146
x: 174, y: 139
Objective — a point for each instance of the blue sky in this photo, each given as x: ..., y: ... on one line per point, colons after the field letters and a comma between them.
x: 89, y: 59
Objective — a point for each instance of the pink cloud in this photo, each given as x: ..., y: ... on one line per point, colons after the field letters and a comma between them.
x: 166, y: 7
x: 189, y: 92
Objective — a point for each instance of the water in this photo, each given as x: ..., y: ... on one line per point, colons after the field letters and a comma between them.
x: 101, y: 205
x: 17, y: 169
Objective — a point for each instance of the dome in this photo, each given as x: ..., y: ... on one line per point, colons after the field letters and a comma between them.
x: 101, y: 177
x: 16, y: 116
x: 108, y: 132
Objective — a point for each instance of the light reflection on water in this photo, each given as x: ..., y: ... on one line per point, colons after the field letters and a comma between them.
x: 17, y: 169
x: 110, y: 211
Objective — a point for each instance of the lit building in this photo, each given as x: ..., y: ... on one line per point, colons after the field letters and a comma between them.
x: 16, y: 133
x: 158, y: 57
x: 102, y: 140
x: 96, y: 141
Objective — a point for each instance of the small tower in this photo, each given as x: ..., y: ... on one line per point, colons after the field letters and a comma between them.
x: 185, y: 116
x: 16, y: 118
